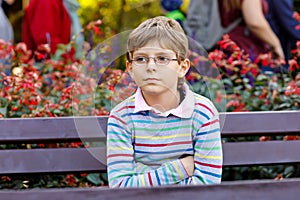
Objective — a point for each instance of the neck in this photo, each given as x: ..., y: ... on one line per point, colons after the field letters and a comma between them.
x: 163, y: 102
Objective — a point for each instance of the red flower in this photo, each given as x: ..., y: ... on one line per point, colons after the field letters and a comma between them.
x: 296, y: 16
x: 39, y: 56
x: 219, y: 97
x: 293, y: 65
x: 42, y: 145
x: 70, y: 178
x: 265, y: 138
x: 291, y: 137
x: 97, y: 30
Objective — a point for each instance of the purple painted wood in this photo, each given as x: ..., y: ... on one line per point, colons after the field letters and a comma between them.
x: 52, y: 129
x: 245, y: 190
x: 91, y: 128
x: 67, y: 129
x: 261, y: 153
x: 258, y: 123
x: 94, y: 159
x: 53, y: 160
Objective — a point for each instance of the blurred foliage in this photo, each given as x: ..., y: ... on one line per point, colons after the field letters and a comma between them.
x: 117, y: 15
x: 47, y: 88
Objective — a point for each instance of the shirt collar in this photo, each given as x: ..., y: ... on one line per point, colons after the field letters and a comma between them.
x: 184, y: 110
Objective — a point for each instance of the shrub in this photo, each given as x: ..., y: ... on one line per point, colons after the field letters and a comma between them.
x: 63, y: 85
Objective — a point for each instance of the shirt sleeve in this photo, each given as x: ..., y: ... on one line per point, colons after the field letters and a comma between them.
x: 285, y: 13
x: 121, y: 165
x: 208, y: 156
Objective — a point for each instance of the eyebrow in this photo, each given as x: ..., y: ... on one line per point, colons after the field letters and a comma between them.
x: 156, y: 53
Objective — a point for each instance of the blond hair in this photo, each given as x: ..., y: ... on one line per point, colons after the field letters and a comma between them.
x: 167, y: 32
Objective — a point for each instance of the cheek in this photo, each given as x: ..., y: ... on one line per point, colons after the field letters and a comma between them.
x: 172, y: 71
x: 136, y: 74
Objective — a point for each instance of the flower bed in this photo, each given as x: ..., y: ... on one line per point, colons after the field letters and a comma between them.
x: 64, y: 86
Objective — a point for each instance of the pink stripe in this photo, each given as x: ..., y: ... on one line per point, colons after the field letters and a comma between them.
x: 125, y: 107
x: 205, y: 106
x: 162, y: 145
x: 112, y: 116
x: 150, y: 180
x: 209, y: 123
x: 209, y: 165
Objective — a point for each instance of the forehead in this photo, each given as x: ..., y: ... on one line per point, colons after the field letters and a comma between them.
x: 154, y: 51
x: 153, y: 48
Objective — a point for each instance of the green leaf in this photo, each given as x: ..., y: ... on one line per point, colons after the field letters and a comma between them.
x: 227, y: 82
x: 95, y: 179
x: 3, y: 111
x: 288, y: 170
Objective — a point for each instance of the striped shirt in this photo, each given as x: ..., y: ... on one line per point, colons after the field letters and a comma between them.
x: 144, y: 147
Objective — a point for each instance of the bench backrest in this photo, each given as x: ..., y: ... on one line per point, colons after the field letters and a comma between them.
x: 93, y: 129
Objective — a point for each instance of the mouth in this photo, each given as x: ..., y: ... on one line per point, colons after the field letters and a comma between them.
x: 151, y: 79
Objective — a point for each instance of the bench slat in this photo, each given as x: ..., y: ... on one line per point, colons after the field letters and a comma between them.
x: 53, y: 160
x: 261, y: 153
x: 52, y: 129
x: 257, y: 123
x: 81, y: 159
x: 246, y: 190
x: 94, y: 128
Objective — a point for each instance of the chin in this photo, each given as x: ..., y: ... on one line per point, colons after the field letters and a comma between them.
x: 152, y: 89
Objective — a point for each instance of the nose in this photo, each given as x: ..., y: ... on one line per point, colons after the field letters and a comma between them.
x: 151, y: 65
x: 152, y: 58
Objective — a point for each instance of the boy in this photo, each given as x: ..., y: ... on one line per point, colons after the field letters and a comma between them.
x: 164, y: 134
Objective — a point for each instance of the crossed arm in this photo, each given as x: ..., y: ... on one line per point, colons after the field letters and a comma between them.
x: 204, y: 167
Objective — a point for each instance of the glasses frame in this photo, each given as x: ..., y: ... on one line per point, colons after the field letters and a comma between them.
x: 155, y: 61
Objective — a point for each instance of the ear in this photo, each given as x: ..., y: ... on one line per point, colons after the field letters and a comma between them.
x: 129, y: 68
x: 184, y: 68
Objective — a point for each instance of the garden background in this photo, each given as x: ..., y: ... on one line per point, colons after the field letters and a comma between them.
x: 65, y: 85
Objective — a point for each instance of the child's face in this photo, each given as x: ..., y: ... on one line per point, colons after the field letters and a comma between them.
x: 155, y: 78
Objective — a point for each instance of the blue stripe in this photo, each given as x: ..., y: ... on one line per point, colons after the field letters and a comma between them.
x: 165, y: 175
x: 202, y: 113
x: 209, y: 140
x: 118, y: 134
x: 152, y: 122
x: 164, y: 152
x: 209, y: 173
x: 208, y: 132
x: 118, y: 126
x: 118, y: 170
x: 157, y: 177
x: 118, y: 162
x: 131, y: 183
x: 198, y: 121
x: 210, y: 182
x: 133, y: 114
x: 126, y: 182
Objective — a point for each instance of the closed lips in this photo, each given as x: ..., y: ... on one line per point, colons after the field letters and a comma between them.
x: 151, y: 79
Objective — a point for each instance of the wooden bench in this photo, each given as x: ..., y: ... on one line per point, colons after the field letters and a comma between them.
x: 91, y: 129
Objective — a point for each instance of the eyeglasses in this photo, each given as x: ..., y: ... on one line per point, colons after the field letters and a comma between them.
x: 159, y: 60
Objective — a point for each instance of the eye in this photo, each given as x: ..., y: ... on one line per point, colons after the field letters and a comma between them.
x: 141, y: 59
x: 162, y: 59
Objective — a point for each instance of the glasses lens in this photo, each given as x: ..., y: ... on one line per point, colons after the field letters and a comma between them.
x: 140, y: 60
x: 161, y: 60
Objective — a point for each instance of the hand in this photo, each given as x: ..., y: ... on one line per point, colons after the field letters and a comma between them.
x: 189, y: 165
x: 9, y: 2
x: 278, y: 52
